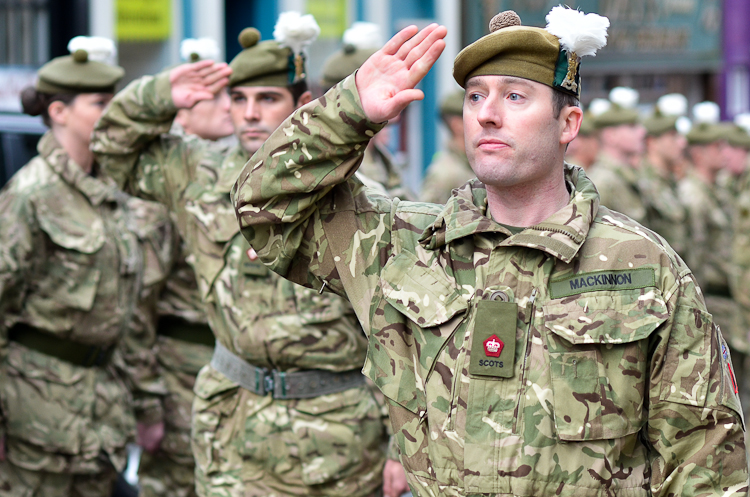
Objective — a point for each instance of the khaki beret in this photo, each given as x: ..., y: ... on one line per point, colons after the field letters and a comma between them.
x: 737, y: 136
x: 77, y: 74
x: 453, y: 104
x: 342, y: 63
x: 658, y: 124
x: 261, y: 64
x: 617, y: 116
x: 704, y: 134
x: 588, y: 124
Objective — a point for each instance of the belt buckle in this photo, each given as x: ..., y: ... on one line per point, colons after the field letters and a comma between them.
x: 268, y: 381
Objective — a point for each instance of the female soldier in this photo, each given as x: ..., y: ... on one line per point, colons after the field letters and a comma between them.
x: 76, y: 257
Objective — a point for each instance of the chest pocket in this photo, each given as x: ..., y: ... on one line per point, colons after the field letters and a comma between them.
x: 151, y: 224
x: 598, y: 353
x: 213, y: 225
x: 70, y: 272
x: 424, y: 304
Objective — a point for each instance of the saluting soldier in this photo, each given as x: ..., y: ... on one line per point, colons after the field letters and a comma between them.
x: 615, y: 172
x: 81, y: 265
x: 450, y: 168
x: 529, y: 340
x: 184, y: 342
x: 282, y: 409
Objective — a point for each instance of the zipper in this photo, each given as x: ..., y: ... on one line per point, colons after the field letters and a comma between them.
x: 530, y: 305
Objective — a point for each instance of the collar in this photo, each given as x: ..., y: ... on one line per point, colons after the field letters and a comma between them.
x: 96, y: 189
x: 560, y: 235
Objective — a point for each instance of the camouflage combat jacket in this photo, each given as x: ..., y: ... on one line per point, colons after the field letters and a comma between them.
x: 258, y: 316
x: 618, y: 187
x: 665, y: 214
x: 573, y: 358
x: 449, y: 170
x: 80, y: 260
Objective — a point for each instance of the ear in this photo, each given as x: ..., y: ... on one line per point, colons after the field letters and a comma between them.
x: 304, y: 99
x: 58, y: 112
x: 570, y: 122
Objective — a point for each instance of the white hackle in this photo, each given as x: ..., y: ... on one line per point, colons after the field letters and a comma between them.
x: 626, y: 98
x: 672, y: 104
x: 296, y: 31
x: 599, y: 106
x: 579, y: 33
x: 706, y: 112
x: 683, y: 125
x: 743, y: 121
x: 204, y: 48
x: 99, y: 49
x: 363, y: 36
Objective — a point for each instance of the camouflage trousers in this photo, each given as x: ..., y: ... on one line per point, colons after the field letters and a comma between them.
x: 246, y: 445
x: 19, y: 482
x: 171, y: 471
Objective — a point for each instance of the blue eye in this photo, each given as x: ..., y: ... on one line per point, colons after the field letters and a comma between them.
x: 474, y: 97
x: 514, y: 97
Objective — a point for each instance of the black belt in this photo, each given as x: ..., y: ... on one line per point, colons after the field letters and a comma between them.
x: 64, y: 349
x: 179, y: 329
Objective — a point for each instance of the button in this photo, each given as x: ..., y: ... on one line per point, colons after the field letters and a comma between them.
x: 499, y: 295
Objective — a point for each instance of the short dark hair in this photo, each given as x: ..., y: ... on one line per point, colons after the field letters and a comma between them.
x: 561, y: 99
x: 297, y: 89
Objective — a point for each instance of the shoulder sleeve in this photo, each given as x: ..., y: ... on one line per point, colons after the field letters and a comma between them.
x: 300, y: 206
x: 695, y: 424
x: 127, y: 140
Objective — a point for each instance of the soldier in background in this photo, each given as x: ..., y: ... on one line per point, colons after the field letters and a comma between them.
x: 184, y: 342
x: 81, y: 266
x: 450, y: 168
x: 665, y: 149
x: 360, y: 41
x: 529, y: 340
x: 584, y: 150
x: 615, y: 172
x: 282, y: 408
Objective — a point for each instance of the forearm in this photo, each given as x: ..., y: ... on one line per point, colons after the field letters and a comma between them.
x: 137, y: 115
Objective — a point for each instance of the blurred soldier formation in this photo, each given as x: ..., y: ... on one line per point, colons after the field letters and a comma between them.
x: 133, y: 309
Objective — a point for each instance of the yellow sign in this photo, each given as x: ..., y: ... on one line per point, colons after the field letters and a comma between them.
x: 330, y: 15
x: 144, y: 20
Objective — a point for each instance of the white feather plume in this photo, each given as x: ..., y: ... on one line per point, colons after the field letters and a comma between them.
x: 683, y: 125
x: 296, y: 31
x: 205, y: 48
x: 599, y: 106
x: 579, y: 33
x: 743, y: 121
x: 672, y: 104
x: 363, y: 36
x: 706, y: 112
x: 625, y: 97
x: 99, y: 49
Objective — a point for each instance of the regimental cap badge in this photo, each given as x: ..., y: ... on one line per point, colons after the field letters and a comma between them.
x: 493, y: 346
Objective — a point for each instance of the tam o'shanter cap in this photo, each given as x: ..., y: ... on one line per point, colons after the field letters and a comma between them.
x: 90, y: 68
x: 622, y: 109
x: 668, y: 109
x: 360, y: 41
x: 551, y: 56
x: 195, y: 49
x: 280, y: 62
x: 706, y: 128
x: 453, y: 104
x: 739, y: 134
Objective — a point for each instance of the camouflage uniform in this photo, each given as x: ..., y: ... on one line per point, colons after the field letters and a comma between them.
x: 449, y: 170
x: 613, y: 379
x: 665, y: 214
x: 379, y: 165
x: 75, y: 257
x: 618, y: 187
x: 244, y: 443
x: 184, y: 345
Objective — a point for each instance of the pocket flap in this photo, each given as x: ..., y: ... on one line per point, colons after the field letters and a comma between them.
x: 610, y: 317
x: 419, y: 293
x: 73, y: 225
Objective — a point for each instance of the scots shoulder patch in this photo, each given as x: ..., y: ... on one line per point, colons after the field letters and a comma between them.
x: 624, y: 279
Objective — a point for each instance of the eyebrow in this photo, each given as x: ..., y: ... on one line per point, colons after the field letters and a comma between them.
x: 507, y: 80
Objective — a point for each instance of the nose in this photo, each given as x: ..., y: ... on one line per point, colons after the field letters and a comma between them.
x: 252, y: 111
x: 490, y: 112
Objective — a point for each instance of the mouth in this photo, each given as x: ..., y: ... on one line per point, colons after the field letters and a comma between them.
x: 490, y: 144
x: 253, y: 133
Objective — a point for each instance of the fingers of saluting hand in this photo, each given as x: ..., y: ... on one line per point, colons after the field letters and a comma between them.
x: 430, y: 42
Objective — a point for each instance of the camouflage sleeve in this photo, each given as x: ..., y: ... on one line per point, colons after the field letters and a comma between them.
x: 127, y: 140
x: 300, y: 206
x: 695, y: 425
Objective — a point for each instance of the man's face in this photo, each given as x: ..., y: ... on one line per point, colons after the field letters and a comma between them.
x: 209, y: 119
x: 734, y: 158
x: 670, y: 146
x: 512, y: 137
x: 627, y: 138
x: 257, y: 111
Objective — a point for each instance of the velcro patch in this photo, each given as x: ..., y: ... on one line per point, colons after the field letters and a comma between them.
x: 625, y: 279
